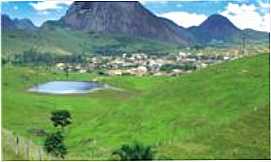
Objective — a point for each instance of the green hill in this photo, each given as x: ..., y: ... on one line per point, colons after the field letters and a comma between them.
x: 221, y: 112
x: 57, y: 40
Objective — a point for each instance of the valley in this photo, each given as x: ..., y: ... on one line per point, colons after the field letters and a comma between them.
x: 159, y: 111
x: 117, y: 81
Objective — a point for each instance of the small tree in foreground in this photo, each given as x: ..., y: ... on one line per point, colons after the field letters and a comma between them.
x: 54, y: 144
x: 135, y: 151
x: 61, y: 118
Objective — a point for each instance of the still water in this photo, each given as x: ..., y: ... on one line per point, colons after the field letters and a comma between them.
x: 66, y: 87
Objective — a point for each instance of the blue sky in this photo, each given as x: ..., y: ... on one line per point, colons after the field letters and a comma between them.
x: 243, y: 13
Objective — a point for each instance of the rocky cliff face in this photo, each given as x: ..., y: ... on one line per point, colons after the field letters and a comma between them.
x: 128, y: 18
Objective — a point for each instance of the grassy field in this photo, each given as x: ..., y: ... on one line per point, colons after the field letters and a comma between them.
x: 221, y: 112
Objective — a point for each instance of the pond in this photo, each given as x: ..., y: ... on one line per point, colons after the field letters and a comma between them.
x: 67, y: 87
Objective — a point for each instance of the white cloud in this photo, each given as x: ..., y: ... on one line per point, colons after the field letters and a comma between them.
x: 142, y: 2
x: 264, y: 5
x: 247, y: 16
x: 50, y: 5
x: 184, y: 19
x: 43, y: 12
x: 162, y: 2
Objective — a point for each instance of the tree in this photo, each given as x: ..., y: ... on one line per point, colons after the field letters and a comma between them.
x: 135, y: 151
x: 66, y: 69
x: 61, y: 118
x: 4, y: 61
x: 54, y: 144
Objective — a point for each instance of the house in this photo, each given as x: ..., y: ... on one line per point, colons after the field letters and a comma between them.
x: 114, y: 72
x: 202, y: 65
x: 60, y: 66
x: 82, y: 71
x: 160, y: 74
x: 139, y: 71
x: 77, y: 67
x: 176, y: 72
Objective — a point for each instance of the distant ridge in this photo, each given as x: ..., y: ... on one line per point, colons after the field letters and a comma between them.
x: 13, y: 24
x: 7, y: 23
x: 219, y: 28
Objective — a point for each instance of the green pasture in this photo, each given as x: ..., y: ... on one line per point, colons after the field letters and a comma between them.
x: 221, y: 112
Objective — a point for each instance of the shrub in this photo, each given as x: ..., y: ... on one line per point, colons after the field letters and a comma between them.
x: 61, y: 118
x: 135, y: 151
x: 54, y: 144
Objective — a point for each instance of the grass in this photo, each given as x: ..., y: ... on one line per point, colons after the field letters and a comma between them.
x: 10, y: 155
x: 221, y: 112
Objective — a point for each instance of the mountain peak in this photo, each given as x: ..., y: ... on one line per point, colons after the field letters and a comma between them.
x: 125, y: 18
x: 22, y: 24
x: 215, y: 27
x: 25, y: 24
x: 85, y: 15
x: 217, y: 21
x: 7, y: 23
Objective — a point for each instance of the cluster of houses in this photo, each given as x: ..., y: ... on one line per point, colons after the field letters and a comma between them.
x: 141, y: 64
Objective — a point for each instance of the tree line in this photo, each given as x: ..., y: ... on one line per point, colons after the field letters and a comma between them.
x: 33, y: 57
x: 170, y: 67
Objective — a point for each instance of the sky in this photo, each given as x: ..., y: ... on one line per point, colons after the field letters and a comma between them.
x: 253, y: 14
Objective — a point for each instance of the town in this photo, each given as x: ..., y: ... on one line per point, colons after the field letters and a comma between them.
x: 140, y: 64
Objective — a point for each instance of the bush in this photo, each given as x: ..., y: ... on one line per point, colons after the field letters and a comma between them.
x: 61, y: 118
x: 102, y: 72
x: 54, y: 144
x: 170, y: 67
x: 135, y: 151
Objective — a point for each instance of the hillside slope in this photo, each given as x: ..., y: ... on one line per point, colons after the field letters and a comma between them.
x: 61, y: 41
x: 189, y: 117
